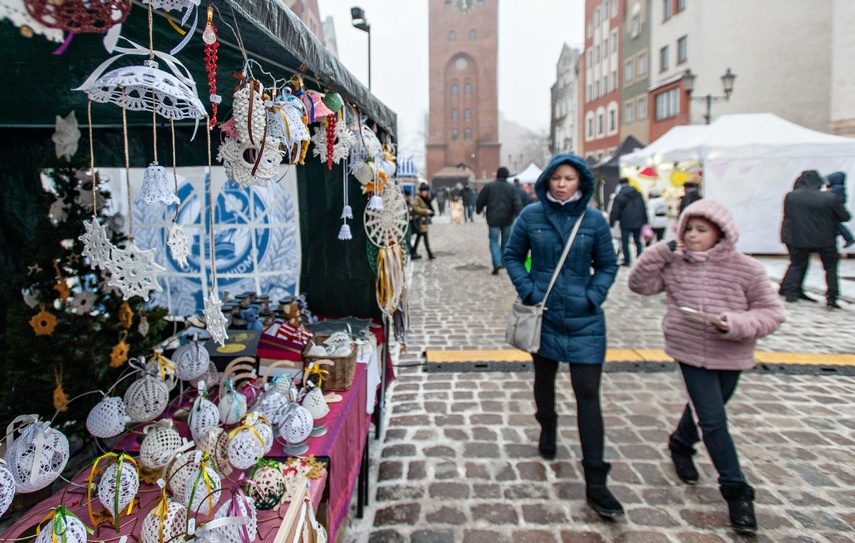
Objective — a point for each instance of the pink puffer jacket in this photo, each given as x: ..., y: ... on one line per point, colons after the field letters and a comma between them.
x: 728, y: 283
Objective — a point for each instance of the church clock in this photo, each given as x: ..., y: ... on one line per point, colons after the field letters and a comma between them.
x: 464, y: 6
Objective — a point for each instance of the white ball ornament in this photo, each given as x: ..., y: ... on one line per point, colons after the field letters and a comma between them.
x: 203, y: 415
x: 159, y: 444
x: 191, y: 361
x: 265, y: 431
x: 37, y: 457
x: 245, y: 447
x: 146, y: 398
x: 164, y: 368
x: 232, y: 407
x: 107, y: 418
x: 182, y: 467
x: 64, y: 527
x: 296, y: 425
x: 202, y: 494
x: 238, y: 506
x: 273, y: 406
x: 118, y: 487
x: 169, y: 518
x: 7, y: 488
x: 270, y: 486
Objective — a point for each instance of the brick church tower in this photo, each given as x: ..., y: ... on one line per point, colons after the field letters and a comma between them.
x: 463, y: 123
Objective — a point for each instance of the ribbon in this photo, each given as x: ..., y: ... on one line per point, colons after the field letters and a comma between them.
x: 209, y: 486
x: 246, y: 426
x: 165, y: 365
x: 120, y: 460
x: 161, y: 511
x: 60, y: 516
x: 315, y: 369
x: 61, y: 49
x: 230, y: 391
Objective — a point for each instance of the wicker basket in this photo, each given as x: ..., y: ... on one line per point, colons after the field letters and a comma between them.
x: 340, y: 370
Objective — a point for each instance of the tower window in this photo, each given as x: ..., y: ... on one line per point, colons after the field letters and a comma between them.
x: 472, y: 34
x: 467, y: 134
x: 454, y: 134
x: 467, y: 113
x: 467, y: 89
x: 451, y: 35
x: 454, y: 89
x: 454, y: 114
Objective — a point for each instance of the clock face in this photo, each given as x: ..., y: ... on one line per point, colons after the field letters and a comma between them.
x: 464, y: 6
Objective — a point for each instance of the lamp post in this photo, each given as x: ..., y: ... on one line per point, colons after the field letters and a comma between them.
x: 727, y: 84
x: 359, y: 21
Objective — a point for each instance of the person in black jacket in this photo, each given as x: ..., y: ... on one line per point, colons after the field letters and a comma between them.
x: 630, y: 211
x: 468, y: 196
x: 503, y: 205
x: 810, y: 224
x: 690, y: 195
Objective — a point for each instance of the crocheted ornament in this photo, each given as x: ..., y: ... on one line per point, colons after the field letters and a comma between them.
x: 82, y: 302
x: 166, y: 520
x: 215, y: 442
x: 202, y: 490
x: 237, y: 507
x: 211, y: 375
x: 77, y: 16
x: 7, y: 488
x: 118, y: 487
x: 232, y: 406
x: 155, y: 187
x: 143, y: 327
x: 179, y: 244
x: 215, y: 320
x: 17, y: 14
x: 388, y: 226
x: 37, y: 457
x: 273, y: 406
x: 133, y: 271
x: 203, y: 415
x: 344, y: 139
x: 338, y: 339
x: 172, y: 5
x: 183, y: 466
x: 317, y: 350
x: 372, y: 145
x: 264, y: 430
x: 64, y: 527
x: 43, y: 323
x: 126, y: 315
x: 191, y: 361
x: 107, y: 418
x: 146, y: 398
x: 249, y: 114
x: 159, y: 444
x: 246, y: 446
x: 233, y: 154
x: 269, y: 485
x: 119, y: 354
x: 316, y: 405
x: 164, y: 368
x: 296, y: 425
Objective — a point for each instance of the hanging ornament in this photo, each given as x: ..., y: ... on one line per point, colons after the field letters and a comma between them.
x: 333, y: 101
x: 134, y: 272
x: 163, y: 367
x: 232, y: 405
x: 233, y: 154
x: 249, y: 113
x: 159, y: 444
x: 209, y: 37
x: 343, y: 140
x: 203, y: 415
x: 179, y: 244
x: 43, y: 323
x: 78, y: 16
x: 37, y: 457
x: 17, y: 14
x: 216, y: 321
x: 330, y: 123
x: 269, y: 487
x: 146, y: 398
x: 237, y: 508
x: 60, y: 398
x: 155, y: 187
x: 7, y: 488
x: 143, y: 326
x: 203, y: 488
x: 119, y: 354
x: 285, y: 123
x: 164, y: 523
x: 246, y: 446
x: 117, y: 488
x: 82, y: 302
x: 373, y: 147
x: 107, y: 418
x: 96, y: 243
x: 64, y: 527
x: 126, y: 315
x: 191, y: 361
x: 387, y: 226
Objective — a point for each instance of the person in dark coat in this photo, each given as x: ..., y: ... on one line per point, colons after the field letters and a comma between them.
x: 837, y: 186
x: 422, y: 212
x: 810, y: 224
x: 468, y: 195
x: 525, y: 199
x: 441, y: 197
x: 503, y: 204
x: 690, y: 195
x: 574, y: 326
x: 630, y: 211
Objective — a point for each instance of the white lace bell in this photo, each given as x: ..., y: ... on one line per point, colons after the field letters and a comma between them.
x: 296, y: 425
x: 117, y: 490
x: 7, y: 488
x: 107, y: 418
x: 200, y: 495
x: 317, y: 350
x: 232, y: 407
x: 171, y: 523
x: 203, y: 415
x: 37, y: 457
x: 238, y: 507
x: 269, y: 487
x: 159, y: 444
x: 245, y: 448
x: 285, y: 386
x: 191, y: 361
x: 146, y: 398
x: 155, y: 187
x: 64, y: 527
x: 316, y: 404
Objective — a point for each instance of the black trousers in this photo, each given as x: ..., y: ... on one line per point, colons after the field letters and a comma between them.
x: 419, y: 237
x: 791, y: 286
x: 589, y: 414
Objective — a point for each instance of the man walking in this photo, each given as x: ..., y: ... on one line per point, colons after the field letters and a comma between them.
x: 630, y: 211
x: 468, y: 197
x: 524, y: 197
x: 690, y: 195
x: 441, y: 197
x: 503, y: 205
x: 810, y: 224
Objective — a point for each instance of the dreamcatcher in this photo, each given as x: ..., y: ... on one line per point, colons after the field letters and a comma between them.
x: 387, y: 229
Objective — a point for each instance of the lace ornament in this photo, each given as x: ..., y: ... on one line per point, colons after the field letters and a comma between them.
x: 82, y: 302
x: 134, y: 271
x: 237, y: 507
x: 387, y: 226
x: 373, y: 147
x: 273, y: 406
x: 37, y: 457
x: 77, y: 16
x: 234, y: 155
x: 203, y: 415
x: 168, y: 519
x: 211, y: 375
x: 315, y: 403
x: 180, y: 470
x: 164, y: 368
x: 172, y: 5
x: 64, y: 527
x: 250, y: 130
x: 16, y: 13
x: 263, y: 428
x: 179, y: 244
x: 203, y: 490
x: 159, y: 444
x: 296, y: 425
x: 146, y: 398
x: 344, y: 139
x: 107, y: 418
x: 116, y: 491
x: 232, y: 407
x: 155, y: 187
x: 191, y: 361
x: 269, y: 486
x: 215, y: 442
x: 7, y: 488
x: 216, y: 321
x: 245, y: 447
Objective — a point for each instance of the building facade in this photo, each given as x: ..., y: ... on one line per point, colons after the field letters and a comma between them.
x: 563, y: 118
x: 308, y: 12
x: 843, y: 69
x: 463, y: 118
x: 635, y: 56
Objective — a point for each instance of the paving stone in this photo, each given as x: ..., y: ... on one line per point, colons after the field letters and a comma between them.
x: 581, y: 537
x: 456, y: 434
x: 449, y: 490
x: 480, y: 450
x: 485, y: 419
x: 446, y: 515
x: 532, y: 471
x: 484, y: 536
x: 526, y: 491
x: 486, y: 491
x: 506, y: 473
x: 439, y: 451
x: 432, y: 536
x: 424, y: 434
x: 545, y: 513
x: 386, y: 536
x: 386, y: 493
x: 476, y: 471
x: 446, y: 470
x: 407, y: 514
x: 399, y: 450
x: 416, y: 470
x: 641, y: 537
x: 494, y: 513
x: 449, y: 420
x: 709, y: 520
x: 648, y: 516
x: 390, y: 470
x: 533, y: 536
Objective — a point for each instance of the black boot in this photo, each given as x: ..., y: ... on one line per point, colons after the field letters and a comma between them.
x: 548, y: 429
x: 740, y: 502
x: 599, y: 497
x: 683, y: 463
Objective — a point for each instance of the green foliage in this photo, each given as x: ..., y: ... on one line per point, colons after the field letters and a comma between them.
x: 81, y: 344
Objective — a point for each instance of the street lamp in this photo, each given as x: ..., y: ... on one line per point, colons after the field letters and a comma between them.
x: 359, y: 21
x: 726, y: 81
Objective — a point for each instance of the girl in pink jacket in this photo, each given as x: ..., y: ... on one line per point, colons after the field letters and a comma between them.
x: 719, y: 303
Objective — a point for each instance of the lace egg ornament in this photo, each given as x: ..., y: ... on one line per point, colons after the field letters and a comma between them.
x: 285, y: 386
x: 146, y: 398
x: 203, y: 415
x: 296, y: 425
x: 107, y: 418
x: 249, y: 113
x: 183, y: 466
x: 159, y: 444
x: 269, y: 485
x: 273, y: 406
x: 37, y: 457
x: 215, y: 442
x: 64, y: 527
x: 118, y: 487
x: 7, y: 488
x: 203, y: 489
x: 238, y: 507
x: 246, y: 447
x: 232, y: 406
x: 191, y: 361
x: 315, y: 403
x: 265, y: 431
x: 168, y: 519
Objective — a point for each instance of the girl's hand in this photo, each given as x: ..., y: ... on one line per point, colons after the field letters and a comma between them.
x: 723, y: 327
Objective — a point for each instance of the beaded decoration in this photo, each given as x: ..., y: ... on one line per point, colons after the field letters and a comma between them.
x: 37, y: 457
x: 146, y: 398
x: 159, y: 444
x: 209, y: 37
x: 164, y: 523
x: 107, y: 418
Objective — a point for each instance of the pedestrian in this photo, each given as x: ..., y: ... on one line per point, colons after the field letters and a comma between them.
x: 629, y: 209
x: 574, y: 327
x: 690, y: 195
x: 441, y: 197
x: 657, y: 212
x: 524, y: 197
x: 456, y: 210
x: 503, y: 205
x: 422, y: 212
x: 467, y: 195
x: 837, y: 186
x: 810, y: 224
x: 720, y: 302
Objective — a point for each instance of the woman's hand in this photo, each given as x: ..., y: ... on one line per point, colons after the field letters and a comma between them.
x: 722, y: 326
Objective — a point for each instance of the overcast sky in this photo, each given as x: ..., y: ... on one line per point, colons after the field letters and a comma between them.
x: 531, y: 34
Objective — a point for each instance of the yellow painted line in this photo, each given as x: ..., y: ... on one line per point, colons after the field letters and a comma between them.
x: 635, y: 355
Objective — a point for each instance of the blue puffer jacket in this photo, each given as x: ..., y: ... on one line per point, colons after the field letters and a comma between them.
x: 574, y: 326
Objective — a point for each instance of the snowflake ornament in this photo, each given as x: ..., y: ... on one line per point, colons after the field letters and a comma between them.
x: 96, y: 243
x: 134, y: 272
x: 178, y: 243
x: 66, y: 136
x: 216, y: 321
x: 82, y: 302
x: 344, y: 140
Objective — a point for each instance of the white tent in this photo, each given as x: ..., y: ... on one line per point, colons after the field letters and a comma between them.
x: 651, y: 155
x: 750, y: 163
x: 529, y: 175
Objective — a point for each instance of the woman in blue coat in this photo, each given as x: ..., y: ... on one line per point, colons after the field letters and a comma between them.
x: 574, y: 326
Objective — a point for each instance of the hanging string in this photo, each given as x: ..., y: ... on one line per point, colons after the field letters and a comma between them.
x: 92, y: 163
x: 211, y: 212
x: 127, y: 165
x: 150, y: 35
x: 174, y: 167
x: 154, y: 121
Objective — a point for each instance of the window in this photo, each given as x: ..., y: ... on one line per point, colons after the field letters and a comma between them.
x: 467, y: 89
x: 666, y: 9
x: 614, y: 8
x: 605, y: 47
x: 472, y: 35
x: 682, y: 50
x: 628, y: 69
x: 681, y: 5
x: 480, y: 2
x: 642, y: 108
x: 668, y: 104
x: 614, y: 40
x: 628, y: 110
x: 597, y: 17
x: 467, y: 113
x: 454, y: 114
x: 451, y: 35
x: 447, y: 4
x: 590, y: 29
x: 467, y: 134
x: 642, y: 64
x: 597, y: 54
x: 590, y: 55
x: 589, y: 133
x: 454, y: 89
x: 663, y: 59
x: 605, y: 84
x: 600, y: 124
x: 588, y: 92
x: 614, y: 81
x: 612, y: 120
x: 454, y: 134
x: 636, y: 27
x: 596, y: 89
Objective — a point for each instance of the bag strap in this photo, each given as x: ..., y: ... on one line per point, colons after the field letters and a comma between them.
x: 564, y: 255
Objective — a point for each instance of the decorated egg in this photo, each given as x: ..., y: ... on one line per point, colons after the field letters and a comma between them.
x: 146, y: 398
x: 184, y: 465
x: 269, y: 486
x: 203, y: 490
x: 107, y: 418
x: 232, y: 407
x: 245, y: 447
x: 159, y: 444
x: 7, y: 488
x: 203, y: 414
x: 118, y: 487
x: 37, y: 457
x: 296, y: 425
x: 316, y: 404
x: 191, y: 361
x: 167, y: 518
x: 215, y: 442
x: 64, y: 526
x: 238, y: 506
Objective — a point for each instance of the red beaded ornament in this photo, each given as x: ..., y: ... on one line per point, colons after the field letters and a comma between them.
x: 331, y: 122
x: 211, y: 46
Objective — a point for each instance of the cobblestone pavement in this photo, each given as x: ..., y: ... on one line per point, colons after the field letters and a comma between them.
x: 458, y: 458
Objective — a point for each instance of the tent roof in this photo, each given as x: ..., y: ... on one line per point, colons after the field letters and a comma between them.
x: 652, y: 154
x: 628, y: 145
x: 758, y: 136
x: 529, y: 175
